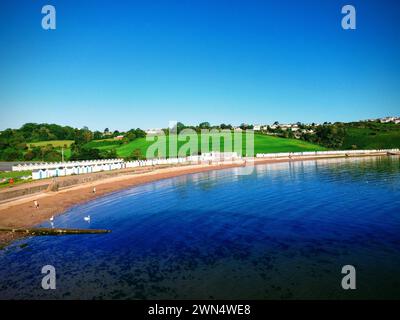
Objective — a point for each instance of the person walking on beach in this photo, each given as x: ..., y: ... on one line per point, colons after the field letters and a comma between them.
x: 36, y: 204
x: 94, y: 190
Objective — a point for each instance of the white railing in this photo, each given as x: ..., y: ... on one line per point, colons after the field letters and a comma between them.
x: 205, y: 157
x: 319, y: 153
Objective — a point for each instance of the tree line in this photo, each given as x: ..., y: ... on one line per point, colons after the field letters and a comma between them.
x: 18, y: 144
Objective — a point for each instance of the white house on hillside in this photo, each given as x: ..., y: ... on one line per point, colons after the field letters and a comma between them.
x: 153, y: 131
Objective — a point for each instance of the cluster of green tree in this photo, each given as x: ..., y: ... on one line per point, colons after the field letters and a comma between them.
x: 128, y: 135
x: 355, y: 135
x: 33, y: 132
x: 21, y: 152
x: 205, y: 125
x: 43, y: 153
x: 133, y: 134
x: 136, y: 155
x: 81, y: 150
x: 328, y: 135
x: 15, y: 143
x: 374, y: 126
x: 11, y: 152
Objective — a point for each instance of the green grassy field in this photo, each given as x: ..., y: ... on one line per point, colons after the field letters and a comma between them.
x: 16, y: 175
x: 58, y: 144
x: 269, y: 144
x: 262, y: 144
x: 54, y: 143
x: 103, y: 143
x: 379, y: 136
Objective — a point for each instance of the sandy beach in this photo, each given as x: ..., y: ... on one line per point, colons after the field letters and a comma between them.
x: 21, y: 213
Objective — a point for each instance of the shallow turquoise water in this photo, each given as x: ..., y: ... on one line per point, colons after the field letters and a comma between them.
x: 283, y: 232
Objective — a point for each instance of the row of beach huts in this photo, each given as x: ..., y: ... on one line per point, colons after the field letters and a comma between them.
x: 60, y: 169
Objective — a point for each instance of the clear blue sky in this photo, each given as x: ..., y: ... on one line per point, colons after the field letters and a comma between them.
x: 124, y: 64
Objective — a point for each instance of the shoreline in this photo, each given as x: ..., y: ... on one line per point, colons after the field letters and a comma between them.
x: 20, y: 213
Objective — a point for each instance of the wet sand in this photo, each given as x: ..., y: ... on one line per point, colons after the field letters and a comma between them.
x: 21, y: 213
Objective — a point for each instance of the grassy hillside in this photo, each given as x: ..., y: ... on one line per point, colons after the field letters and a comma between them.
x: 103, y: 143
x: 358, y: 135
x: 262, y: 144
x: 372, y: 136
x: 57, y: 144
x: 270, y: 144
x: 54, y: 143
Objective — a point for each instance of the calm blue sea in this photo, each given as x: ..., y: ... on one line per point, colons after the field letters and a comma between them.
x: 283, y: 232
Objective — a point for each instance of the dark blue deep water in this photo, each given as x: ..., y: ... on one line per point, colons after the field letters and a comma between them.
x: 283, y: 232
